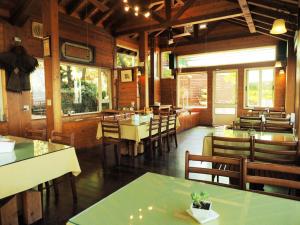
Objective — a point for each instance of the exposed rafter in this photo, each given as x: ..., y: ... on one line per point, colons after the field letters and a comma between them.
x: 275, y: 6
x: 22, y: 11
x: 99, y: 5
x: 107, y: 14
x: 247, y: 14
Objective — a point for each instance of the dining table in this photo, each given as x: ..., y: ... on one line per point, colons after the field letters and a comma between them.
x: 231, y: 133
x: 133, y: 129
x: 164, y: 200
x: 34, y: 162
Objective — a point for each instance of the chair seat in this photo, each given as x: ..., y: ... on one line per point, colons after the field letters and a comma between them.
x: 109, y: 141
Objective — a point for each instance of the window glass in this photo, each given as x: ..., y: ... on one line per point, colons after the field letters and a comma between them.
x: 260, y: 87
x: 225, y: 88
x: 126, y: 60
x: 239, y: 56
x: 38, y: 94
x: 165, y: 71
x: 192, y: 90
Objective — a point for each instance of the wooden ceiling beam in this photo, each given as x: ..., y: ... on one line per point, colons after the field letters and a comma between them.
x: 100, y: 5
x: 271, y: 14
x: 107, y: 14
x: 269, y: 21
x: 74, y: 6
x: 244, y: 24
x: 182, y: 22
x: 247, y: 14
x: 182, y: 10
x: 168, y: 9
x: 275, y: 6
x: 22, y: 12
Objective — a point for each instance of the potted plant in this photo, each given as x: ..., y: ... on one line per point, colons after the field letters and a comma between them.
x: 200, y: 201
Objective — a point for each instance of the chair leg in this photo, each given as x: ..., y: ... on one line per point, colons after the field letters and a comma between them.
x: 73, y: 187
x: 176, y: 144
x: 103, y: 156
x: 117, y: 153
x: 160, y: 146
x: 151, y: 149
x: 40, y: 189
x: 55, y: 187
x: 168, y: 143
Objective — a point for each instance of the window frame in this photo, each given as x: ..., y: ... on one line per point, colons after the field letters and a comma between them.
x: 3, y: 103
x: 161, y: 66
x: 178, y: 92
x: 129, y: 48
x: 260, y: 86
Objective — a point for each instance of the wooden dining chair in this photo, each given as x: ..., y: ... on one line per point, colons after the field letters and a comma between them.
x: 164, y: 137
x: 231, y: 147
x: 249, y: 122
x: 281, y: 125
x: 172, y: 125
x: 111, y: 135
x: 281, y: 152
x: 153, y: 141
x: 65, y: 139
x: 36, y: 134
x: 209, y: 170
x: 283, y: 176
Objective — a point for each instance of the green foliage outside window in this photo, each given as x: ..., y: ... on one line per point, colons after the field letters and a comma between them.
x: 165, y: 71
x: 125, y: 60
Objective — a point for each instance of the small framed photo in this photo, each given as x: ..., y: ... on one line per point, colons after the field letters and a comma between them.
x: 126, y: 76
x: 47, y: 46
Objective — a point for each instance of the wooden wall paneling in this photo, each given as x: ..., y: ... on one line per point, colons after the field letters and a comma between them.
x: 143, y: 56
x: 152, y: 72
x: 297, y: 98
x: 290, y: 79
x: 127, y: 91
x: 168, y: 91
x: 52, y: 67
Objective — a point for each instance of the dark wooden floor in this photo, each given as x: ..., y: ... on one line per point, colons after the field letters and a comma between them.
x: 95, y: 183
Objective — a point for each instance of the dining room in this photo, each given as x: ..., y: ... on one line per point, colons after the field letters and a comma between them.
x: 118, y: 112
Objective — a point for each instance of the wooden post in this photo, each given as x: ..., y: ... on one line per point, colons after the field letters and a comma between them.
x: 152, y: 70
x: 52, y: 66
x: 143, y: 55
x: 290, y: 79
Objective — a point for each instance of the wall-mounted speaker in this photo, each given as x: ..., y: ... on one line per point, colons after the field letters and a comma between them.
x: 281, y: 51
x: 172, y: 61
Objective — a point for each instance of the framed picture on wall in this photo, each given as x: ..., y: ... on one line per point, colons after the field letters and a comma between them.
x: 126, y: 76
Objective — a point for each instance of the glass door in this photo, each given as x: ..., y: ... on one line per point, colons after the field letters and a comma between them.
x: 224, y: 97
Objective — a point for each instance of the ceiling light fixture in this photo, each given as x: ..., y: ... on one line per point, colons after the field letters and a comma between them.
x: 126, y: 8
x: 136, y: 8
x: 202, y: 26
x: 136, y: 13
x: 278, y: 27
x: 125, y: 1
x: 147, y: 14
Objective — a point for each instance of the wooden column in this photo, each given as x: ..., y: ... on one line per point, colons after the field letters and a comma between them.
x: 143, y: 55
x: 52, y: 69
x: 152, y: 69
x: 290, y: 79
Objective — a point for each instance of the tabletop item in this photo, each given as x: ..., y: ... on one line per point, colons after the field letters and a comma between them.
x: 6, y: 145
x: 163, y: 200
x: 34, y: 162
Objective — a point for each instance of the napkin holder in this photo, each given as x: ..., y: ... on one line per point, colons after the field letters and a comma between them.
x: 6, y: 145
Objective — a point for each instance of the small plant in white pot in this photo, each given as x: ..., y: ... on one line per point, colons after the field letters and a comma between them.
x: 200, y: 202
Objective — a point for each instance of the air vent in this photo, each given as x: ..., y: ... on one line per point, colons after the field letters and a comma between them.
x: 37, y: 30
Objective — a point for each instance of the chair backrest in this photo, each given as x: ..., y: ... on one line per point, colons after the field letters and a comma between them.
x: 272, y: 175
x: 62, y: 138
x: 154, y: 127
x: 172, y: 121
x: 233, y: 169
x: 231, y: 147
x: 275, y: 114
x: 250, y: 122
x: 282, y: 125
x: 111, y: 129
x: 36, y: 134
x: 164, y: 123
x: 282, y: 152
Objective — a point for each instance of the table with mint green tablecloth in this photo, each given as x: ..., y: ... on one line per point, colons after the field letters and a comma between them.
x: 161, y: 200
x: 34, y: 162
x: 269, y: 136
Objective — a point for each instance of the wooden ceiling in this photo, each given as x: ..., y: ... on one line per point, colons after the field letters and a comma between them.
x: 255, y: 15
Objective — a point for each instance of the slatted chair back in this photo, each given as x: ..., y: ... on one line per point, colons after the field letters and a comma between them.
x: 282, y: 125
x: 231, y: 147
x: 233, y: 171
x: 275, y: 114
x: 172, y: 122
x: 154, y: 127
x: 249, y: 122
x: 164, y: 123
x: 274, y: 175
x: 36, y: 134
x: 111, y: 129
x: 108, y: 117
x: 281, y: 152
x: 62, y: 138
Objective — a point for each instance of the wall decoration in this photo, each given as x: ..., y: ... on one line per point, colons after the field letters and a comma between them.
x: 37, y: 30
x: 76, y: 52
x: 47, y: 46
x: 126, y: 76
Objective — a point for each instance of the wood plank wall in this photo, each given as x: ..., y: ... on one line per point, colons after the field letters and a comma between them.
x: 84, y: 128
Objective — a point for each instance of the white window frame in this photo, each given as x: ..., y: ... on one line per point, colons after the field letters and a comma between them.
x: 260, y: 86
x: 2, y: 88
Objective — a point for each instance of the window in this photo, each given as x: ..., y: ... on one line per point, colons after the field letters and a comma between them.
x: 84, y: 89
x: 239, y: 56
x: 165, y: 70
x: 126, y: 58
x: 38, y: 94
x: 192, y: 90
x: 260, y: 87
